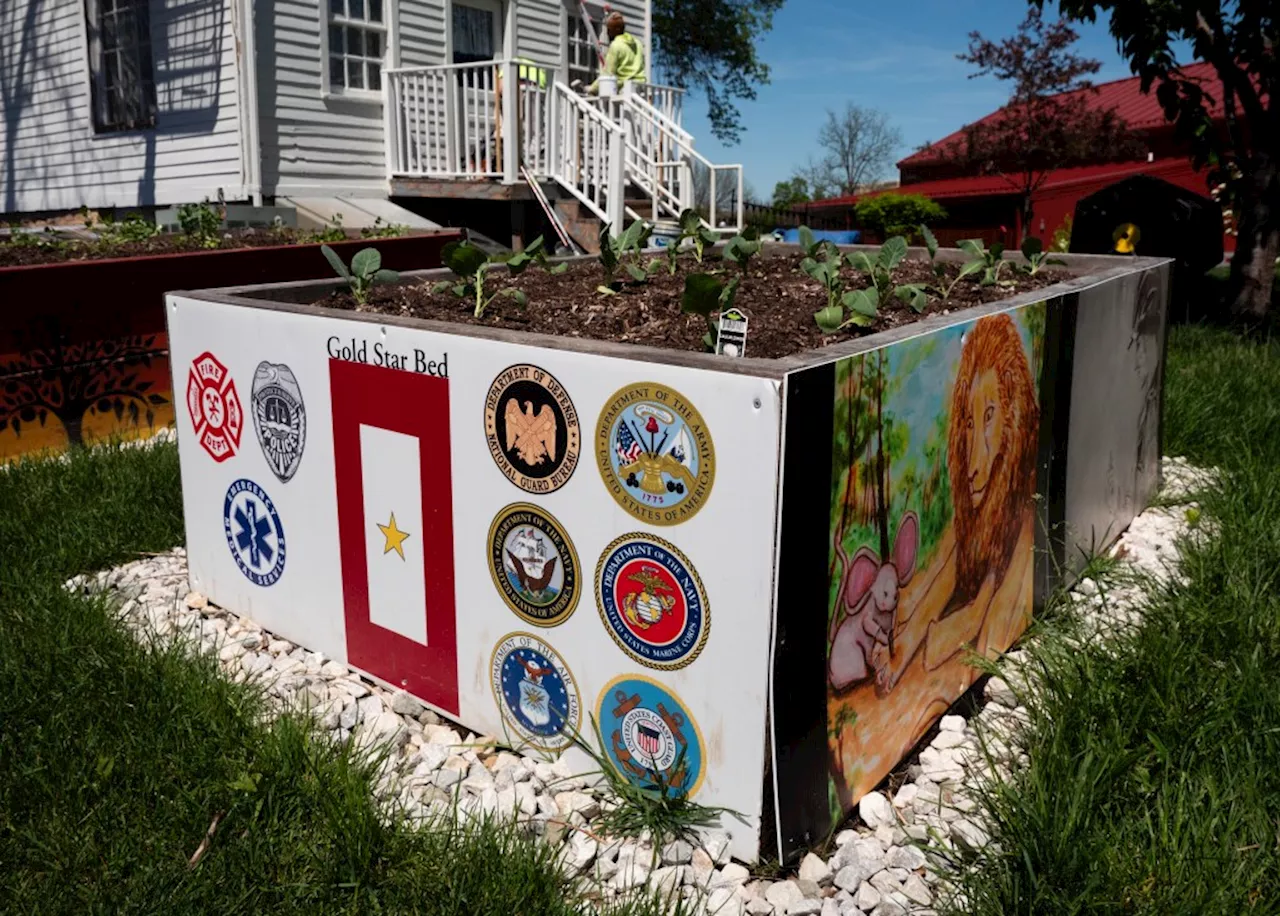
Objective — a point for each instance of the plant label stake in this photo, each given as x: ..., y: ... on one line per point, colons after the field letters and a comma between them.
x: 731, y: 336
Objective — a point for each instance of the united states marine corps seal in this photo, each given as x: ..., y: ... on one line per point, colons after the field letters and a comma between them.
x: 650, y: 736
x: 279, y: 417
x: 652, y: 601
x: 535, y: 691
x: 655, y: 453
x: 532, y: 428
x: 533, y: 564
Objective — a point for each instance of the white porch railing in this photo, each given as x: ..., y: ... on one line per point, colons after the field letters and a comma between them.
x: 667, y: 99
x: 587, y: 156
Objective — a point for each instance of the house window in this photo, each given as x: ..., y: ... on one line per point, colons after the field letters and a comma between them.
x: 475, y: 33
x: 357, y: 39
x: 582, y: 44
x: 121, y: 76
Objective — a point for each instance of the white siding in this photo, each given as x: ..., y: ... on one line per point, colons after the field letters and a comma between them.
x: 50, y: 157
x: 541, y: 24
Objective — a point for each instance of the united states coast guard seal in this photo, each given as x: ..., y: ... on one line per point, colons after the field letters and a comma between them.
x: 652, y: 601
x: 279, y: 417
x: 650, y: 736
x: 655, y: 453
x: 535, y: 691
x: 533, y: 564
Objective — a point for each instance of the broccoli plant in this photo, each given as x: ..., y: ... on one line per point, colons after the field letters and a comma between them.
x: 944, y: 286
x: 704, y: 295
x: 860, y: 303
x: 1037, y: 257
x: 201, y: 222
x: 623, y: 251
x: 990, y: 261
x: 366, y: 270
x: 470, y: 264
x: 880, y: 268
x: 742, y: 248
x: 691, y: 228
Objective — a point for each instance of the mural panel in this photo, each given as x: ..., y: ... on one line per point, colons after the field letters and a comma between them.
x: 932, y: 531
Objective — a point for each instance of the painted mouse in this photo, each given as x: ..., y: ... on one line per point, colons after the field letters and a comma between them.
x: 869, y: 604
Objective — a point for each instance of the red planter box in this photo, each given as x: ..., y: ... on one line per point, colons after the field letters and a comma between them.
x: 83, y: 348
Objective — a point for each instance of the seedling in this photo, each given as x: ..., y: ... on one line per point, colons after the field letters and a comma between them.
x: 742, y: 248
x: 200, y: 222
x: 704, y: 294
x: 861, y: 303
x: 623, y: 251
x: 1037, y: 257
x: 470, y: 264
x: 880, y: 269
x: 366, y: 270
x: 691, y: 228
x: 944, y: 286
x: 990, y: 260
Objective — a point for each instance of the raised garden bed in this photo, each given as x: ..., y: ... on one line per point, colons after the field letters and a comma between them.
x: 83, y: 347
x: 760, y: 576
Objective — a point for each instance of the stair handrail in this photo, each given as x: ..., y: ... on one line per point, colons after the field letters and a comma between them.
x: 607, y: 202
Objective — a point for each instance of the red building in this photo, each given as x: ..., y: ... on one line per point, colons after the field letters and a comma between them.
x: 989, y: 206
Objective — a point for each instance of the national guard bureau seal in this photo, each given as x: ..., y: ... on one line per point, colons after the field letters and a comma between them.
x: 532, y: 428
x: 650, y: 736
x: 652, y: 601
x: 655, y: 453
x: 533, y: 565
x: 535, y: 691
x: 279, y: 418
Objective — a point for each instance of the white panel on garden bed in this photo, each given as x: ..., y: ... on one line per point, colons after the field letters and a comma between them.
x: 574, y: 535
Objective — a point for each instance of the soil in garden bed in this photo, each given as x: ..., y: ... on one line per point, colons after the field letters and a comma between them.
x: 778, y: 297
x: 47, y: 249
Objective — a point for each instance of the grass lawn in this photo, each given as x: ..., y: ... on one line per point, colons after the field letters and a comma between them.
x: 1154, y: 777
x: 114, y: 760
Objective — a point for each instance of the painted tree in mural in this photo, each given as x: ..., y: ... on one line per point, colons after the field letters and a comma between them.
x: 68, y: 381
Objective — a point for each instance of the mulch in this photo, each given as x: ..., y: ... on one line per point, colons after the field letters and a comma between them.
x: 779, y: 299
x: 62, y: 249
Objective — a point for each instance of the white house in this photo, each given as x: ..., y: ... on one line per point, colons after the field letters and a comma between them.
x: 141, y: 103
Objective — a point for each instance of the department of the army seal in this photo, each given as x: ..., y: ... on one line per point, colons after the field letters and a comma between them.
x: 535, y: 690
x: 279, y: 417
x: 532, y: 428
x: 655, y: 453
x: 533, y: 564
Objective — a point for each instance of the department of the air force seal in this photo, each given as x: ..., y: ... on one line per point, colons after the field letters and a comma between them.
x: 254, y: 532
x: 533, y: 564
x: 652, y: 601
x: 532, y: 428
x: 650, y: 736
x: 279, y: 418
x: 214, y: 407
x: 655, y: 453
x: 536, y: 692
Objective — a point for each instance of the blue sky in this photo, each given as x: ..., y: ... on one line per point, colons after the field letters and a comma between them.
x: 899, y: 59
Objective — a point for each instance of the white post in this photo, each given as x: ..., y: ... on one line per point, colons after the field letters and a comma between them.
x: 616, y: 204
x: 711, y: 202
x: 510, y: 123
x: 742, y: 205
x: 553, y: 132
x: 390, y: 111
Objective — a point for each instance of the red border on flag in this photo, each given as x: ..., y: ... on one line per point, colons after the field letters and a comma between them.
x: 415, y: 405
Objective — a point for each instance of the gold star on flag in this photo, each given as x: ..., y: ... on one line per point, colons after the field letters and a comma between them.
x: 395, y: 537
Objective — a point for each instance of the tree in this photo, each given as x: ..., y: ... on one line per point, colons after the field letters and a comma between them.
x: 793, y: 191
x: 710, y: 45
x: 1040, y: 129
x: 1238, y: 38
x: 858, y: 146
x: 893, y: 214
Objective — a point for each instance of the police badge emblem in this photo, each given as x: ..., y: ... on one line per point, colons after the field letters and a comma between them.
x: 650, y: 736
x: 535, y: 691
x: 279, y: 417
x: 652, y: 601
x: 655, y: 453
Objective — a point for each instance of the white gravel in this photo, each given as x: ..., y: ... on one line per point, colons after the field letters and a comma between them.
x: 881, y: 866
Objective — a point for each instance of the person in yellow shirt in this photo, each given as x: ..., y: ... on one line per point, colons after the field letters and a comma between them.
x: 625, y: 57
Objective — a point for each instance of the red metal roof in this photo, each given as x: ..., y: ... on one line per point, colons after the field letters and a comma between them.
x: 1176, y: 170
x: 1141, y: 111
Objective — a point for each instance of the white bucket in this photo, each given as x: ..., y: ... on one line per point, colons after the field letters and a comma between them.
x: 607, y: 85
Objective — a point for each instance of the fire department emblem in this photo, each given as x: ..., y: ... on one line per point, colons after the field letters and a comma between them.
x: 655, y: 453
x: 652, y: 601
x: 535, y: 691
x: 279, y: 418
x: 214, y: 407
x: 533, y: 564
x: 254, y: 532
x: 532, y: 429
x: 650, y: 736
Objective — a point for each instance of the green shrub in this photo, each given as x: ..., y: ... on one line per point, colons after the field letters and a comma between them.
x: 897, y: 214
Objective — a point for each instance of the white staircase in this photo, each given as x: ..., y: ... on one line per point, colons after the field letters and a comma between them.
x: 622, y: 158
